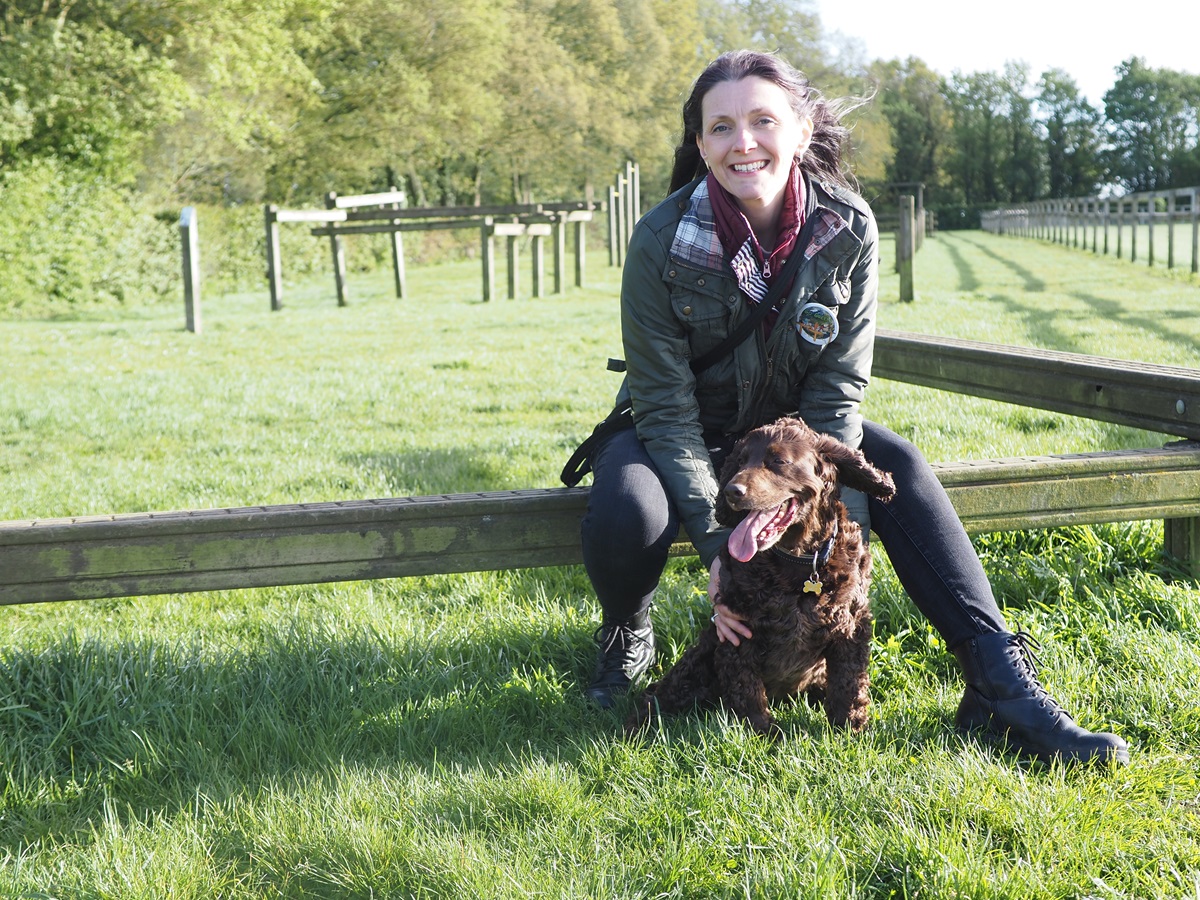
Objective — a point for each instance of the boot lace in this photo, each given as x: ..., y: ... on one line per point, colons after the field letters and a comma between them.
x: 1029, y: 664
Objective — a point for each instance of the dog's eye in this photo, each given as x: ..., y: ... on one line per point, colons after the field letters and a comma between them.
x: 778, y: 461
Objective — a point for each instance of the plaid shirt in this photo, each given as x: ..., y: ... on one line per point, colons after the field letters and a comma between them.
x: 696, y: 242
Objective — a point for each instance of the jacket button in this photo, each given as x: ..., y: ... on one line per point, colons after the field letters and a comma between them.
x: 746, y: 385
x: 671, y: 274
x: 700, y: 281
x: 687, y: 310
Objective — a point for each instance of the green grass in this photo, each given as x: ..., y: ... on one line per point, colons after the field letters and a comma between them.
x: 427, y: 737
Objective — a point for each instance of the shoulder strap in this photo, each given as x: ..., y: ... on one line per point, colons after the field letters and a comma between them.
x: 780, y: 284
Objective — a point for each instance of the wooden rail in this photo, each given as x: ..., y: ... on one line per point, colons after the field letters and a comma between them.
x: 1068, y: 221
x: 384, y: 213
x: 1158, y: 398
x: 150, y: 553
x: 218, y: 549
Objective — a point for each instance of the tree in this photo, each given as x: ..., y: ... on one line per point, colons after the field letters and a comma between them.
x: 977, y: 136
x: 1152, y: 120
x: 1022, y: 163
x: 912, y: 97
x: 80, y: 93
x: 1073, y: 139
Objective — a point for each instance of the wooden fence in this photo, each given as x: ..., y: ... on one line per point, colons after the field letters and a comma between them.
x: 912, y: 223
x: 385, y: 213
x: 1111, y: 224
x: 624, y: 210
x: 216, y: 549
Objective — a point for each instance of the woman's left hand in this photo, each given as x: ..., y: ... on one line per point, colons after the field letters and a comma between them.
x: 730, y: 626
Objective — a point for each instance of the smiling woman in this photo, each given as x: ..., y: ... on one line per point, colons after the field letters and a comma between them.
x: 750, y: 140
x: 758, y: 180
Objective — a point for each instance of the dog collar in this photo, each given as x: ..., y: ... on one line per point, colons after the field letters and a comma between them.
x: 812, y: 584
x: 816, y: 560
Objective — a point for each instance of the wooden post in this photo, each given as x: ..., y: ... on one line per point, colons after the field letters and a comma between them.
x: 1151, y: 215
x: 190, y: 236
x: 1120, y: 222
x: 630, y: 202
x: 1181, y: 540
x: 613, y: 252
x: 1171, y: 230
x: 579, y: 252
x: 537, y: 255
x: 1196, y: 231
x: 905, y: 248
x: 514, y: 279
x: 339, y: 255
x: 1133, y: 224
x: 274, y: 269
x: 560, y: 250
x: 398, y: 253
x: 487, y: 254
x: 622, y: 189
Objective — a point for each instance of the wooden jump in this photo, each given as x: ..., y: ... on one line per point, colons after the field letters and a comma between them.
x: 384, y: 213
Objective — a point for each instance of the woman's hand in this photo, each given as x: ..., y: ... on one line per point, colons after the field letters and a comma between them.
x: 730, y: 627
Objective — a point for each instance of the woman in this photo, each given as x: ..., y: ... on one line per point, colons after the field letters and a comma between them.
x: 758, y: 177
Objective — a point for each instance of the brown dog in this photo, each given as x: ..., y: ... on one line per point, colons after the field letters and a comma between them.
x: 797, y: 569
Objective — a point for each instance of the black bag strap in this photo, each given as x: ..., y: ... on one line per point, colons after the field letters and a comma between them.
x: 781, y: 283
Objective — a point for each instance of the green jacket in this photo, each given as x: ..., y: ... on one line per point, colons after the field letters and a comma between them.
x: 679, y: 298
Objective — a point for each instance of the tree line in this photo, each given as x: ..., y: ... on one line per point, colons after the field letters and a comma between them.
x: 238, y: 102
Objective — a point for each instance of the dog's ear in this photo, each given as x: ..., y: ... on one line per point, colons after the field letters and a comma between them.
x: 854, y: 470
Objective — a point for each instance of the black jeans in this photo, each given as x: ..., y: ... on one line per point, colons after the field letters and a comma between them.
x: 631, y: 523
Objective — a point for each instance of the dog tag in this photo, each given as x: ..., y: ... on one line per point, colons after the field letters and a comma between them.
x: 812, y: 586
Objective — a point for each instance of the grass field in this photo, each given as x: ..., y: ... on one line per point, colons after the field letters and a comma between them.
x: 427, y: 737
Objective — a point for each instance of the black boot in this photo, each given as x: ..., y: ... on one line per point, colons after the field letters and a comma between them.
x: 1004, y: 697
x: 626, y: 651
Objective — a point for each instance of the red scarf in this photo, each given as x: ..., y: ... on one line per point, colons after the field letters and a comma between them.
x: 733, y: 229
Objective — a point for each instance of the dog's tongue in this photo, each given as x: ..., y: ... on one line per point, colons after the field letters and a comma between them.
x: 744, y: 541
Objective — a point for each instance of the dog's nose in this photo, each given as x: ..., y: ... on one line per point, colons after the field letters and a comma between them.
x: 734, y: 491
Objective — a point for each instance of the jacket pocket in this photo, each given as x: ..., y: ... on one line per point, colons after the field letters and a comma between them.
x: 706, y: 317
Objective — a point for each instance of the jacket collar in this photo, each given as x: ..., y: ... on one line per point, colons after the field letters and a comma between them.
x: 696, y: 240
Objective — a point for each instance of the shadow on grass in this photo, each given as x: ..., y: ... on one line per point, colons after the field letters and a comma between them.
x: 1136, y: 317
x: 1032, y: 283
x: 967, y: 281
x: 86, y: 723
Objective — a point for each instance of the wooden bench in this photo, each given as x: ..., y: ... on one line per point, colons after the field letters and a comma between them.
x: 150, y: 553
x: 308, y: 543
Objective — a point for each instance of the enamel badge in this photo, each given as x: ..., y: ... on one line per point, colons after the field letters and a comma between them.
x: 817, y: 324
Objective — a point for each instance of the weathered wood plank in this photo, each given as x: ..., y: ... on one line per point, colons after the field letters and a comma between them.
x: 150, y: 553
x: 124, y: 555
x: 352, y: 201
x: 1075, y: 489
x: 398, y: 226
x: 446, y: 212
x: 310, y: 215
x: 1158, y: 398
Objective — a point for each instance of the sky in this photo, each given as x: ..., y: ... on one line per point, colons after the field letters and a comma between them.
x: 1087, y: 40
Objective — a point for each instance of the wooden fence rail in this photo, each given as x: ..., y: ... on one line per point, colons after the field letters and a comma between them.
x: 148, y: 553
x: 1107, y: 220
x: 309, y: 543
x: 384, y: 213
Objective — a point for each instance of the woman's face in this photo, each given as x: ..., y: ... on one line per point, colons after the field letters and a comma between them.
x: 749, y: 136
